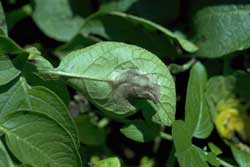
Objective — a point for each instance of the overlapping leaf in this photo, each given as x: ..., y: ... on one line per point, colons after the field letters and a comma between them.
x: 38, y: 99
x: 123, y: 27
x: 56, y: 19
x: 105, y: 73
x: 39, y: 140
x: 197, y: 115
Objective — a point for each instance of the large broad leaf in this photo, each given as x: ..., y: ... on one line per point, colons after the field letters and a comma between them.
x: 3, y: 26
x: 57, y: 19
x: 222, y: 29
x: 187, y: 154
x: 141, y: 131
x: 110, y: 74
x: 197, y: 115
x: 38, y: 99
x: 5, y: 160
x: 38, y: 140
x: 7, y: 70
x: 127, y: 28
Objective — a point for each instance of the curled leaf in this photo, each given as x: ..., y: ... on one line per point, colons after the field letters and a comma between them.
x: 111, y: 74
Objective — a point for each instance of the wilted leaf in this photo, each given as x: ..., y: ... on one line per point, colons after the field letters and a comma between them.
x: 217, y: 89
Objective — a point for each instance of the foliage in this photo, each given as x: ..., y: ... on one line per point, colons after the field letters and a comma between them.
x: 111, y: 83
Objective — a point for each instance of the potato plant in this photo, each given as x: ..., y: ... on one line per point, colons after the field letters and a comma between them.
x: 122, y: 83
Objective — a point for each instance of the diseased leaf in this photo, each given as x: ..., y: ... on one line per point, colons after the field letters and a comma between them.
x: 221, y: 30
x: 38, y: 140
x: 217, y: 89
x: 21, y: 96
x: 141, y: 131
x: 109, y: 162
x: 127, y: 28
x: 110, y: 73
x: 197, y: 116
x: 57, y: 19
x: 8, y: 71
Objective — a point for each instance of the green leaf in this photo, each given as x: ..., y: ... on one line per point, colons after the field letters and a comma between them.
x: 241, y: 157
x: 3, y: 26
x: 127, y: 28
x: 8, y: 46
x: 197, y: 116
x: 89, y: 133
x: 147, y: 162
x: 147, y: 9
x: 57, y: 19
x: 39, y: 140
x: 141, y: 131
x: 40, y: 100
x: 187, y: 154
x: 109, y: 162
x: 110, y: 73
x: 215, y: 149
x: 5, y: 160
x: 8, y: 71
x: 219, y: 88
x: 216, y: 26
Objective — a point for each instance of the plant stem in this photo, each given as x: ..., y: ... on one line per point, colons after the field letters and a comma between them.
x: 176, y: 68
x: 166, y: 136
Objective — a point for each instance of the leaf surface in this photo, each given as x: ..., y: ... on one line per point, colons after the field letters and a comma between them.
x: 197, y: 115
x: 110, y: 73
x: 222, y: 29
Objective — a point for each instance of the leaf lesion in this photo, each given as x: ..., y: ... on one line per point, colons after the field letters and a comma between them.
x: 132, y: 84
